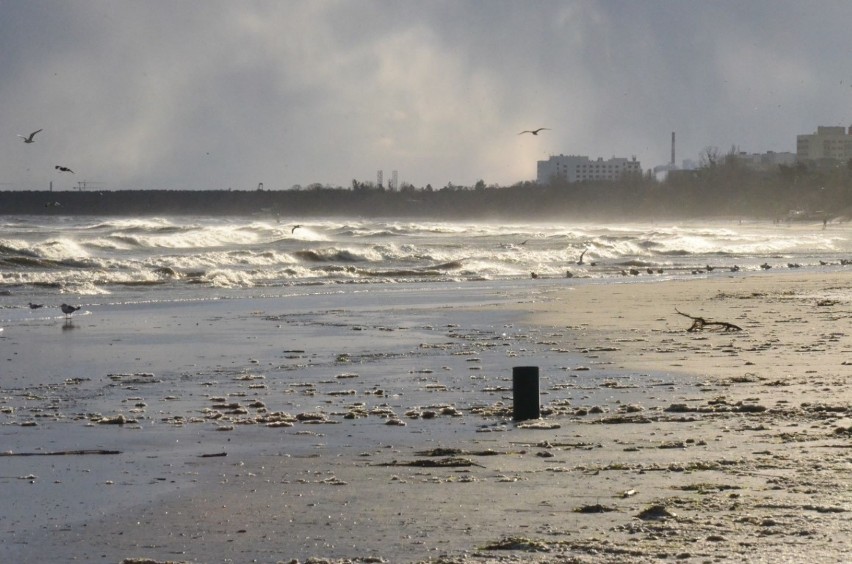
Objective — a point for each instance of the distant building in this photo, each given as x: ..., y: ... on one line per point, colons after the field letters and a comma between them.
x: 769, y: 160
x: 828, y: 143
x: 574, y: 168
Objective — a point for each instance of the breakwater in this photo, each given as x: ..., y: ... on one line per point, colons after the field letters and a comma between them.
x: 528, y: 203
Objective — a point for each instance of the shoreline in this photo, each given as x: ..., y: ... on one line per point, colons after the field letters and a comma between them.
x: 656, y: 441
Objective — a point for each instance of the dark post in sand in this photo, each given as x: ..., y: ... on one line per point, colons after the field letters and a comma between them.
x: 525, y: 393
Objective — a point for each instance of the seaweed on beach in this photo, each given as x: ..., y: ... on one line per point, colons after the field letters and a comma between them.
x: 595, y: 508
x: 518, y: 543
x: 62, y: 452
x: 447, y: 462
x: 150, y: 561
x: 441, y: 451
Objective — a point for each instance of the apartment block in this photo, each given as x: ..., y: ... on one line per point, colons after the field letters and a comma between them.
x: 575, y: 168
x: 829, y: 142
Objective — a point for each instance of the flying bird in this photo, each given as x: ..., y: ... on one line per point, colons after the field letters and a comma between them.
x: 534, y: 131
x: 63, y: 169
x: 69, y: 309
x: 294, y: 228
x: 30, y: 138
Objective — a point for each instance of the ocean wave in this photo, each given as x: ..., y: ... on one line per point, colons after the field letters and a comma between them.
x: 43, y: 263
x: 337, y: 255
x: 128, y: 256
x: 16, y: 248
x: 134, y: 224
x: 22, y: 261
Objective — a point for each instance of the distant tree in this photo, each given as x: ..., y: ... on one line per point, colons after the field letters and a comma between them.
x: 732, y: 157
x: 479, y: 186
x: 709, y: 157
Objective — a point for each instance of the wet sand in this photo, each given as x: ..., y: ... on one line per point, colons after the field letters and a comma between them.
x: 239, y: 432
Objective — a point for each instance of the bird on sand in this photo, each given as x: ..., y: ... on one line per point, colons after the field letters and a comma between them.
x: 29, y: 139
x: 534, y: 131
x: 69, y: 309
x: 63, y: 169
x: 35, y: 306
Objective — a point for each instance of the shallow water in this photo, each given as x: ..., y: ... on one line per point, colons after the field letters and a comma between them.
x: 390, y: 352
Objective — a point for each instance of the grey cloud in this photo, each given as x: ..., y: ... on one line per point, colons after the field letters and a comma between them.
x: 221, y: 94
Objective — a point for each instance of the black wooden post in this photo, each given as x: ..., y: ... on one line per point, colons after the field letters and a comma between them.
x: 525, y: 393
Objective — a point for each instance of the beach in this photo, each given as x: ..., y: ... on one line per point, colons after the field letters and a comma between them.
x: 378, y: 428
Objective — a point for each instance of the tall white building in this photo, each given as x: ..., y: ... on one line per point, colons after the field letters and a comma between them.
x: 829, y: 142
x: 574, y: 168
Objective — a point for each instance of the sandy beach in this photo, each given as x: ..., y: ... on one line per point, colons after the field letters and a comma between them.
x: 256, y: 431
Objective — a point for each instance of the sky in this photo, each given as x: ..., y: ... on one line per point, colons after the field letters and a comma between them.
x: 218, y: 94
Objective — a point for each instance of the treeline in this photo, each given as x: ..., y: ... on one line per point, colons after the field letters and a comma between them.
x: 722, y: 187
x: 727, y: 185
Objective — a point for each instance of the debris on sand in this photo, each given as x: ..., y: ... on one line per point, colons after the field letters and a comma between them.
x: 448, y: 462
x: 596, y: 508
x: 518, y: 543
x: 119, y: 419
x: 150, y: 561
x: 134, y: 378
x: 655, y: 512
x: 539, y: 424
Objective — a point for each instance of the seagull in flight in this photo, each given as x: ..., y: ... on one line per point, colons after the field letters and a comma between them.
x: 534, y: 131
x: 30, y: 138
x: 63, y: 169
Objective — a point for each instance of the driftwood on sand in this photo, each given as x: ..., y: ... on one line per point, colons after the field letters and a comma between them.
x: 61, y: 452
x: 698, y: 323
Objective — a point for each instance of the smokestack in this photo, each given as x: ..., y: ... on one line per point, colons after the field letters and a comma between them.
x: 673, y: 148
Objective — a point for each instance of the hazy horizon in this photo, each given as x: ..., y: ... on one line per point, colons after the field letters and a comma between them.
x: 215, y: 95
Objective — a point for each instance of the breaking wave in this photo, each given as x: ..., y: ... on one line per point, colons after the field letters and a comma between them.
x: 85, y: 255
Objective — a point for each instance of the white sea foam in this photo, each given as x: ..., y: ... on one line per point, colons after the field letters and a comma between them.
x: 177, y: 256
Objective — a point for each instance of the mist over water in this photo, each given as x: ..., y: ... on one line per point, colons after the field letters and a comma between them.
x: 163, y: 259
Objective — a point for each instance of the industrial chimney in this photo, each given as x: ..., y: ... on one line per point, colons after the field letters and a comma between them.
x: 673, y: 149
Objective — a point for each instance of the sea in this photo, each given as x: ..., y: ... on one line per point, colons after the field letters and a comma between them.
x: 90, y: 261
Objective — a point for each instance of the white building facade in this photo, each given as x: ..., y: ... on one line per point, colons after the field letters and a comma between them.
x: 769, y: 160
x: 829, y: 142
x: 575, y: 168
